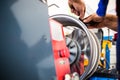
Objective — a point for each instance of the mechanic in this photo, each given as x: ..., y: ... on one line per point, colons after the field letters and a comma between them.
x: 101, y: 19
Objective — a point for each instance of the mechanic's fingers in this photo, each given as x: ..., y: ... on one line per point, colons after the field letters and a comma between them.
x: 77, y: 13
x: 72, y: 10
x: 82, y: 13
x: 88, y: 19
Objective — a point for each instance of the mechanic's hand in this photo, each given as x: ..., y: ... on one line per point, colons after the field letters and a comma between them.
x: 95, y: 21
x: 94, y: 17
x: 77, y: 7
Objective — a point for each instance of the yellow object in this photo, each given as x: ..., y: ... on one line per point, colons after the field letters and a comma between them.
x: 106, y: 42
x: 102, y: 57
x: 85, y: 62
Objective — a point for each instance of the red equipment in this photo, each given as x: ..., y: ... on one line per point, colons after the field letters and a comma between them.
x: 61, y: 52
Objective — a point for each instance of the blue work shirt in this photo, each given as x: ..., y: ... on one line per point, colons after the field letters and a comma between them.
x: 102, y: 6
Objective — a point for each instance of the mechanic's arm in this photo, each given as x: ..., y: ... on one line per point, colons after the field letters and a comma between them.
x: 102, y: 7
x: 109, y: 21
